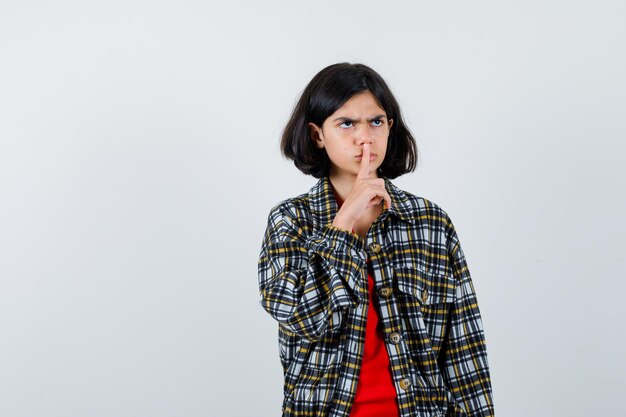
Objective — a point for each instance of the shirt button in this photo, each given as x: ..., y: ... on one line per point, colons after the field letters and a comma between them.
x: 374, y: 247
x: 395, y: 337
x: 425, y: 294
x: 385, y: 292
x: 405, y: 383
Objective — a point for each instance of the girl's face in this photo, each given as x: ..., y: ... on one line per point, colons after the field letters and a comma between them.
x: 344, y: 132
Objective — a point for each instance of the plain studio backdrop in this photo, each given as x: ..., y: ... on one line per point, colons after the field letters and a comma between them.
x: 139, y: 160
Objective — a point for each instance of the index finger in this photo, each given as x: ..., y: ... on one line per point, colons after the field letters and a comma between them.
x: 364, y: 171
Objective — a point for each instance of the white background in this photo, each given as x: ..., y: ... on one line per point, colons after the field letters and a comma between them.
x: 139, y: 159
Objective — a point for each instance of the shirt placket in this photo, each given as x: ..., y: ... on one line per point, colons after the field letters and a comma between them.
x: 378, y: 250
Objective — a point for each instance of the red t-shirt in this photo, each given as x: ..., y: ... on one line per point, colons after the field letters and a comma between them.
x: 375, y: 392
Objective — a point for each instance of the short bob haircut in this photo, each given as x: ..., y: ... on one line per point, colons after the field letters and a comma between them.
x: 325, y: 93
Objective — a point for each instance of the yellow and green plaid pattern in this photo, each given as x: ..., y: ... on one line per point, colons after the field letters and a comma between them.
x: 313, y: 281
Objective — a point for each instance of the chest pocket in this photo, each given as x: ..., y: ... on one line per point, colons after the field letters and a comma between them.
x: 426, y: 288
x: 425, y: 300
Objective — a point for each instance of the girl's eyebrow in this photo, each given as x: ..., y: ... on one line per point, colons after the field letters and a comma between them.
x: 371, y: 119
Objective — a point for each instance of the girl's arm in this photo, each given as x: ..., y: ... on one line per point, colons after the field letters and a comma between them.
x: 463, y: 357
x: 306, y: 278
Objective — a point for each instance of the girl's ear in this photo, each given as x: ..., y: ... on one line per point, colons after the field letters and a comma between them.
x: 390, y: 123
x: 316, y: 135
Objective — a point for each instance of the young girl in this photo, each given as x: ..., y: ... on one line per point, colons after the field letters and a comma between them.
x: 377, y: 315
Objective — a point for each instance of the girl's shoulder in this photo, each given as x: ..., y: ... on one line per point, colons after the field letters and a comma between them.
x: 412, y: 206
x: 297, y: 202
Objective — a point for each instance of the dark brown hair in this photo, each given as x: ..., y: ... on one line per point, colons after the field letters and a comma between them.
x: 325, y: 93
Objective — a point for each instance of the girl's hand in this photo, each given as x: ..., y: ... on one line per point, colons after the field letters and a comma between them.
x: 366, y: 192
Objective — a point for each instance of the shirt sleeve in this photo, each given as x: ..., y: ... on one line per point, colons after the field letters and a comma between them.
x: 306, y: 277
x: 463, y: 357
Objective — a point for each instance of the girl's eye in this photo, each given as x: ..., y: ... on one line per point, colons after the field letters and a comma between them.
x: 345, y: 123
x: 377, y: 122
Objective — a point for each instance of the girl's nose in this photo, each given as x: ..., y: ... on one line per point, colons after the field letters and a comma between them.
x: 363, y: 134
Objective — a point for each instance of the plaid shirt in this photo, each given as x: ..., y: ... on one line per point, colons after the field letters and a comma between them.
x: 313, y: 281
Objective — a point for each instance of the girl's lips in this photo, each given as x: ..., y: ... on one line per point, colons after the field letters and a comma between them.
x: 372, y: 156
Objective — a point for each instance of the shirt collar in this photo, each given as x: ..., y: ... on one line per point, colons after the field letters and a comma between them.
x: 324, y: 206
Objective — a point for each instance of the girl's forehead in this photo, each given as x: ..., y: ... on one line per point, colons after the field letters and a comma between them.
x: 361, y: 103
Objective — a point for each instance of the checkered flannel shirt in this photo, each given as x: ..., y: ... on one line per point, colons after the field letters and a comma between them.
x: 313, y: 281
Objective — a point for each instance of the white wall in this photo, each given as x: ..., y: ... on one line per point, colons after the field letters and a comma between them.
x: 139, y: 160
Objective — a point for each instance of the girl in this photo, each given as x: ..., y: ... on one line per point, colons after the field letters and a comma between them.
x: 377, y: 314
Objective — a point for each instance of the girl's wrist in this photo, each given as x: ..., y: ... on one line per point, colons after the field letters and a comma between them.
x: 343, y: 223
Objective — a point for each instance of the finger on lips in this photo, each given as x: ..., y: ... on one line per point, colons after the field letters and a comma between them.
x: 365, y: 162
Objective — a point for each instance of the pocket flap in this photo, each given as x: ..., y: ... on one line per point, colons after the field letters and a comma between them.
x: 426, y: 286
